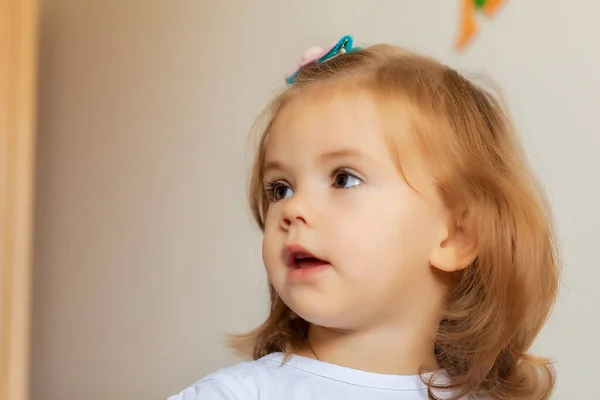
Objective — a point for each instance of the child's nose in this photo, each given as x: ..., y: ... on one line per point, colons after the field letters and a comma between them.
x: 297, y: 210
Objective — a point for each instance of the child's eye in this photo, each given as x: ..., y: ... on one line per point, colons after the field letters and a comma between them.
x: 277, y: 190
x: 344, y: 180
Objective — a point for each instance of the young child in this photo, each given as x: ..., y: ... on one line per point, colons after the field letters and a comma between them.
x: 409, y: 249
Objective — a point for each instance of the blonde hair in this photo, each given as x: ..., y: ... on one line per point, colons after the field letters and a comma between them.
x: 500, y: 302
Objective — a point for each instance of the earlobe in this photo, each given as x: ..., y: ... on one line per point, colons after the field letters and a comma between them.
x: 456, y: 251
x: 451, y: 259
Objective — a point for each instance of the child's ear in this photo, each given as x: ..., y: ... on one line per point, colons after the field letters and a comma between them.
x: 457, y: 248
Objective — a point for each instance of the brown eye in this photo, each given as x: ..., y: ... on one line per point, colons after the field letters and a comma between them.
x: 345, y: 180
x: 341, y: 180
x: 277, y: 191
x: 281, y: 192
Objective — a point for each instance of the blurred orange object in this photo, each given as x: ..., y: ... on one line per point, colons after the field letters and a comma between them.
x: 491, y: 6
x: 468, y: 19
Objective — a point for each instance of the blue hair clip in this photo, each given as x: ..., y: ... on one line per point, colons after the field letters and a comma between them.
x: 319, y: 55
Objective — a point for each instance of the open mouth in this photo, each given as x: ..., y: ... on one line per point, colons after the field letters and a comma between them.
x: 298, y: 259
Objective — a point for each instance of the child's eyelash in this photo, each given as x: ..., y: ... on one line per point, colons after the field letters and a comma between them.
x: 271, y: 186
x: 346, y: 171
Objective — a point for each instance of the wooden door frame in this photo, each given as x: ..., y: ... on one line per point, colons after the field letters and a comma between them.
x: 18, y: 70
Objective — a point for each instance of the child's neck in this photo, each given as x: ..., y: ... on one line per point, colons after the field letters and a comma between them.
x: 391, y: 350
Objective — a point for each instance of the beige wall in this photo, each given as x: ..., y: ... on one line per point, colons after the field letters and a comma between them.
x: 145, y: 251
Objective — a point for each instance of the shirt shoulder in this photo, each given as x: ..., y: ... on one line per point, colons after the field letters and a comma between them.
x: 238, y: 382
x: 205, y: 389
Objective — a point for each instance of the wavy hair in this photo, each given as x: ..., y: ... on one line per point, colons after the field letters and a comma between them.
x: 501, y: 301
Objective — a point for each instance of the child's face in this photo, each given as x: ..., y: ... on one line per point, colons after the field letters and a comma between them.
x: 337, y: 195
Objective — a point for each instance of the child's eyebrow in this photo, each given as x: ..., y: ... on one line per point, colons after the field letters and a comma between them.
x: 274, y: 165
x: 343, y: 153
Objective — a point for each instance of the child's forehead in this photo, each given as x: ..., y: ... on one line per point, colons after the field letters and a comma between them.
x: 351, y: 121
x: 317, y: 129
x: 322, y: 115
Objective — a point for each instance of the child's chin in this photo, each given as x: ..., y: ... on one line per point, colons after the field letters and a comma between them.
x: 328, y: 315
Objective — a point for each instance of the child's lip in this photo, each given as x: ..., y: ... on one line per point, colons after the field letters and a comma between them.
x: 295, y: 251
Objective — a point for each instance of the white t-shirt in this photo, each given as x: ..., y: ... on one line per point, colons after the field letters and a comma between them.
x: 301, y: 378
